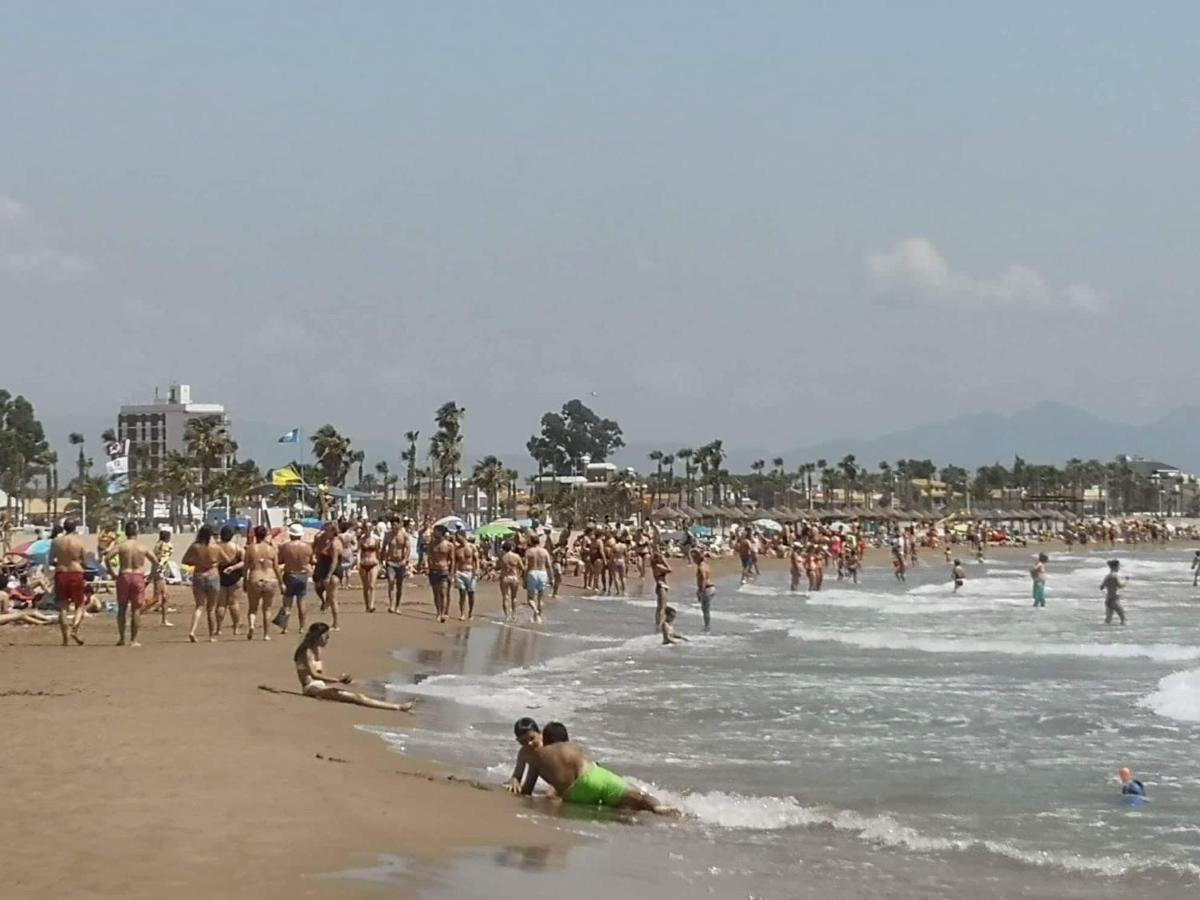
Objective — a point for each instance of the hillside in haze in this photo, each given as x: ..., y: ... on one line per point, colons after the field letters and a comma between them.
x: 1049, y: 433
x: 1045, y: 433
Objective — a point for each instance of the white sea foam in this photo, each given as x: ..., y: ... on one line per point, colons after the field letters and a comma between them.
x: 1177, y: 697
x: 760, y: 590
x: 898, y: 640
x: 736, y: 811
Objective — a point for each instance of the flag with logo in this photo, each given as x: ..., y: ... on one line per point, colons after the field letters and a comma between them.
x: 292, y: 437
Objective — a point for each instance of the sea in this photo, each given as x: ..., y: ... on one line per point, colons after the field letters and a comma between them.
x: 883, y: 739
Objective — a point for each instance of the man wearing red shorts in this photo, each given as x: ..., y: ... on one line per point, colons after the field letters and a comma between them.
x: 132, y: 560
x: 66, y: 558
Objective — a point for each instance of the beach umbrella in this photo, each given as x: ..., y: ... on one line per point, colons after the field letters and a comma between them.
x: 496, y: 529
x: 661, y: 514
x: 38, y: 552
x: 451, y: 523
x: 767, y: 525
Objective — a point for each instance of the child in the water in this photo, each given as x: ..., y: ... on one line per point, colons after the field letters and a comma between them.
x: 958, y: 574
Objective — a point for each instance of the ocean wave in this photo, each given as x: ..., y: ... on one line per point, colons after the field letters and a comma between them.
x: 896, y: 640
x: 735, y: 811
x: 1177, y: 697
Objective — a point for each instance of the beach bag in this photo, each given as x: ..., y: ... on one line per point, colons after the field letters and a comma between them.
x: 281, y: 617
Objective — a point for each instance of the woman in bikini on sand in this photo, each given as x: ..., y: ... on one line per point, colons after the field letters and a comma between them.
x: 262, y: 580
x: 229, y: 576
x: 368, y: 564
x: 204, y: 556
x: 316, y: 682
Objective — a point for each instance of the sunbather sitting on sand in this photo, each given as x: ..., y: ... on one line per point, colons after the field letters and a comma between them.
x: 315, y: 681
x: 9, y: 616
x: 565, y: 767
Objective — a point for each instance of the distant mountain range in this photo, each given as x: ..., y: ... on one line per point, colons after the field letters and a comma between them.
x: 1047, y: 433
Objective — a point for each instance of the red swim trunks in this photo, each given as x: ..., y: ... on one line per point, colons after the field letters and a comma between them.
x: 69, y: 588
x: 131, y: 590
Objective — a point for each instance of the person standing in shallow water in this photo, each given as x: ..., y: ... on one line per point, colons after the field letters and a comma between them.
x: 1111, y: 585
x: 705, y: 589
x: 1038, y: 574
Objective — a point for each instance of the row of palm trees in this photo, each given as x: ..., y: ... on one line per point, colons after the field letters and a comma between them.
x: 908, y: 482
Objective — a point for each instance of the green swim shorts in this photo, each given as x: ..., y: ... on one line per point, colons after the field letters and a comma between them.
x: 596, y: 787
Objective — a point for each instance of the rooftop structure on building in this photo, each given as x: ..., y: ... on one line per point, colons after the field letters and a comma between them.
x: 158, y: 428
x: 1148, y: 468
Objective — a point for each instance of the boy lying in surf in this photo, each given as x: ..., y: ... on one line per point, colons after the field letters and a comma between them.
x: 563, y: 765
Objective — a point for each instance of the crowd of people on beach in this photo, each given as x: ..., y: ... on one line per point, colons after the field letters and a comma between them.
x: 267, y: 567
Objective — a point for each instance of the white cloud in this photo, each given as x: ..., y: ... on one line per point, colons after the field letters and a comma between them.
x: 28, y: 250
x: 914, y: 270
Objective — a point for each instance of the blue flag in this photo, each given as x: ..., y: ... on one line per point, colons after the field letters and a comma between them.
x: 292, y: 437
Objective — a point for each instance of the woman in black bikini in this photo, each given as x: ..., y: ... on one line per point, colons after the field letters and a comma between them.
x: 229, y: 575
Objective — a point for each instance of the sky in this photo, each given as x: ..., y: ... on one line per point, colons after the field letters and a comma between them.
x: 773, y: 223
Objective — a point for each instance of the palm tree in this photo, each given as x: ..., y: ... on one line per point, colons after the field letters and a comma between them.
x: 386, y: 478
x: 686, y: 454
x: 777, y: 465
x: 333, y: 454
x: 145, y: 481
x: 449, y: 419
x: 489, y: 476
x: 237, y: 483
x: 179, y: 479
x: 51, y: 462
x: 511, y: 476
x: 409, y: 457
x: 77, y: 440
x: 93, y: 494
x: 849, y: 469
x: 208, y: 441
x: 656, y: 456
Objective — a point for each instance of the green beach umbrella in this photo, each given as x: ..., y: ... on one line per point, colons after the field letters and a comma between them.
x: 499, y: 528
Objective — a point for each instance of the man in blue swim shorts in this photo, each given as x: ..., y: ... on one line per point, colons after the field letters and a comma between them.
x: 537, y: 575
x: 576, y: 779
x: 466, y: 564
x: 1038, y: 574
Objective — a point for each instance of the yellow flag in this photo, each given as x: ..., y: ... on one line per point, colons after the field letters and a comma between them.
x: 285, y: 477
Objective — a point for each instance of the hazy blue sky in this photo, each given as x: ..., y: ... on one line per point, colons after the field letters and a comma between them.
x: 773, y: 223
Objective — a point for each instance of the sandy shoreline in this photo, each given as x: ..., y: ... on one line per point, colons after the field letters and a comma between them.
x: 139, y: 772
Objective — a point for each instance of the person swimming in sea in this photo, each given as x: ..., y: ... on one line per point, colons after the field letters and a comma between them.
x: 564, y: 766
x: 1196, y: 569
x: 1132, y: 790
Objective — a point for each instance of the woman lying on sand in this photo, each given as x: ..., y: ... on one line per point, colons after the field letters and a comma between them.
x: 315, y: 681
